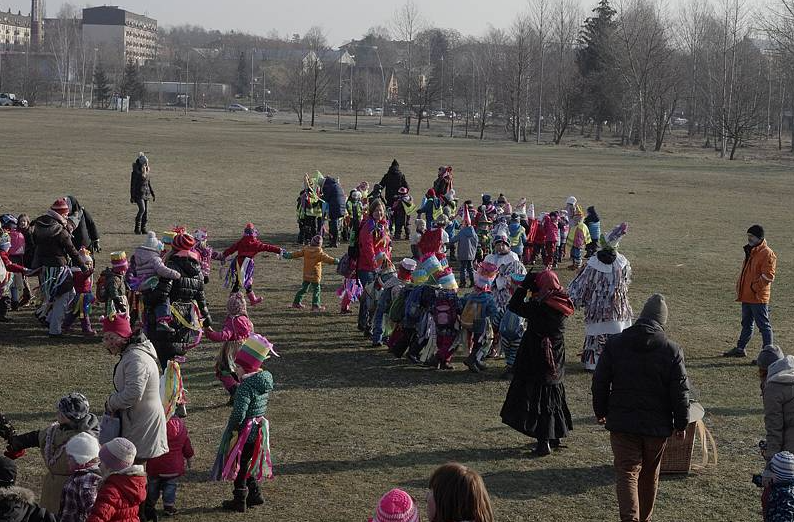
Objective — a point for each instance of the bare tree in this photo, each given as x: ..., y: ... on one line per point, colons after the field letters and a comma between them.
x: 518, y: 70
x: 317, y: 45
x: 693, y: 23
x: 406, y: 25
x: 540, y: 10
x: 564, y: 28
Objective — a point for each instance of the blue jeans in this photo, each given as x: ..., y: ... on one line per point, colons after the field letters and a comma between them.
x: 758, y: 314
x: 377, y: 324
x: 165, y: 485
x: 365, y: 277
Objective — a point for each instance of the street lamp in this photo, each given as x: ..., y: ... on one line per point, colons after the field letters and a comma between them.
x: 344, y: 58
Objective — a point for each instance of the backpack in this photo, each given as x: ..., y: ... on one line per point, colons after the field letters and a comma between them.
x: 471, y: 317
x: 343, y: 268
x: 397, y: 308
x: 417, y: 304
x: 512, y: 326
x: 102, y: 285
x: 445, y: 310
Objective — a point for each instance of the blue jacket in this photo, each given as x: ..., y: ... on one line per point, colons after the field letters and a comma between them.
x: 468, y: 242
x: 489, y: 309
x: 335, y: 197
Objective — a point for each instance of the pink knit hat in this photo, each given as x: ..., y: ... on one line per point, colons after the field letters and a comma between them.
x: 118, y: 454
x: 119, y: 324
x: 396, y: 506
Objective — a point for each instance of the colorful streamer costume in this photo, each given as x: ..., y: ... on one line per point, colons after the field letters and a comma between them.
x: 241, y: 269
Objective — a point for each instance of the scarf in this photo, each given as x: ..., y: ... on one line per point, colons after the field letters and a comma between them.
x: 551, y: 293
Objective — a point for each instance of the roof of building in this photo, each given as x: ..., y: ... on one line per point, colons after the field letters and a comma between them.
x: 18, y: 19
x: 113, y: 15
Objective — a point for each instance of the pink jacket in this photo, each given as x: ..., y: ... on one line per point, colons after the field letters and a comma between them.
x: 372, y: 240
x: 172, y: 464
x: 551, y: 230
x: 17, y: 243
x: 235, y: 328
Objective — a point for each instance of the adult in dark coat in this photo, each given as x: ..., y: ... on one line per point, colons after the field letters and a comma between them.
x: 641, y: 392
x: 84, y: 233
x: 184, y: 293
x: 18, y: 504
x: 54, y: 248
x: 334, y: 197
x: 140, y: 192
x: 393, y: 180
x: 535, y: 404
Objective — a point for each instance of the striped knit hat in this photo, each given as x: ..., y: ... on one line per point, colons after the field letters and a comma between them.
x: 60, y: 206
x: 396, y: 506
x: 485, y: 275
x: 253, y: 353
x: 183, y: 241
x: 118, y: 261
x: 118, y: 454
x: 782, y: 466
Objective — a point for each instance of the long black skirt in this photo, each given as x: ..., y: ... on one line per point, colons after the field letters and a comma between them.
x: 537, y: 409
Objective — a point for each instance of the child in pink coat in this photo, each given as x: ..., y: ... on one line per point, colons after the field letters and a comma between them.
x: 164, y: 471
x: 236, y: 329
x: 552, y: 233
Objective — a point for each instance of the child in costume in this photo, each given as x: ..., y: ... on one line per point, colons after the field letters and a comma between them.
x: 241, y: 271
x: 391, y: 289
x: 538, y: 238
x: 163, y: 471
x: 511, y: 329
x: 73, y: 418
x: 354, y: 213
x: 551, y: 233
x: 310, y: 207
x: 431, y: 207
x: 503, y: 207
x: 28, y: 248
x: 123, y: 489
x: 401, y: 210
x: 507, y: 263
x: 476, y: 308
x: 244, y: 452
x: 80, y: 307
x: 112, y: 287
x: 385, y: 274
x: 421, y: 228
x: 7, y: 268
x: 148, y: 269
x: 484, y: 236
x: 236, y: 329
x: 517, y: 234
x: 206, y: 253
x: 563, y: 226
x: 578, y: 239
x: 350, y: 290
x: 593, y: 222
x: 467, y: 244
x: 80, y: 490
x: 313, y: 259
x: 16, y: 253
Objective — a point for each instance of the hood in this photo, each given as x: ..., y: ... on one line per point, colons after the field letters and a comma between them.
x: 46, y: 228
x: 88, y: 424
x: 782, y: 371
x: 313, y: 250
x: 16, y: 504
x: 140, y: 342
x: 642, y: 333
x: 74, y: 205
x: 143, y: 254
x: 16, y: 494
x: 174, y: 426
x: 130, y: 484
x: 186, y: 265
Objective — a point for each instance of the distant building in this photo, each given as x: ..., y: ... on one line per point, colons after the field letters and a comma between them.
x: 119, y: 34
x: 14, y: 31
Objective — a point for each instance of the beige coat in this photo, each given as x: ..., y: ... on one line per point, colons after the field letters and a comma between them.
x: 137, y: 399
x: 779, y: 407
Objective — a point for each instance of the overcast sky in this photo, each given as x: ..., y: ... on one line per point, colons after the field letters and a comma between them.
x: 342, y: 19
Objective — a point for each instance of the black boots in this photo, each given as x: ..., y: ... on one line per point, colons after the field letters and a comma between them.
x: 238, y: 503
x: 254, y: 497
x: 542, y: 449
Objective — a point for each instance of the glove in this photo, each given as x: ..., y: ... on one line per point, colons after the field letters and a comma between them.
x: 154, y: 198
x: 95, y: 246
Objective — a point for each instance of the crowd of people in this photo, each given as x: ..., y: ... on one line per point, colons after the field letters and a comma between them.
x: 154, y: 310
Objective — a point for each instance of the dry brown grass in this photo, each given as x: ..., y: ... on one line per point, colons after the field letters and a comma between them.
x: 350, y: 422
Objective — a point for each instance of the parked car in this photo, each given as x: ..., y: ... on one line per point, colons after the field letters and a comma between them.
x: 268, y: 109
x: 235, y: 107
x: 378, y: 111
x: 680, y: 122
x: 369, y: 112
x: 8, y: 99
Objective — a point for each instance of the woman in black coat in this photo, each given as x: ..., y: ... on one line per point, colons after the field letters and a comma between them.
x: 85, y: 233
x: 535, y: 404
x: 140, y: 192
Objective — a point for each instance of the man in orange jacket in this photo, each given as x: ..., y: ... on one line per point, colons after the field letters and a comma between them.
x: 753, y: 290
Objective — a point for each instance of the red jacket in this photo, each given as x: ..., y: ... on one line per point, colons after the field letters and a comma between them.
x: 11, y: 267
x: 249, y: 246
x: 119, y: 499
x: 372, y: 241
x: 172, y: 464
x: 83, y: 282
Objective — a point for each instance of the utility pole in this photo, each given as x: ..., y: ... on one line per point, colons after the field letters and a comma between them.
x: 339, y: 101
x: 187, y: 80
x: 93, y: 76
x: 383, y: 89
x: 442, y: 82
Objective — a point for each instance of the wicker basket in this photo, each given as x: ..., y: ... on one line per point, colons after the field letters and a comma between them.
x: 677, y: 457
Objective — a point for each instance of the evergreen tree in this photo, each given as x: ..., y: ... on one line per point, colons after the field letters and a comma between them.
x: 241, y: 83
x: 132, y: 85
x: 595, y: 63
x: 101, y: 86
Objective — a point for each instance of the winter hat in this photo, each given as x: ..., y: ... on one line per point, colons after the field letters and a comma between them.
x: 768, y: 355
x: 151, y: 242
x: 250, y: 230
x: 757, y: 231
x: 5, y: 242
x: 8, y: 472
x: 254, y: 351
x: 119, y: 325
x: 394, y: 163
x: 118, y: 454
x: 396, y: 506
x: 486, y: 273
x: 73, y: 406
x: 501, y: 238
x: 317, y: 241
x: 782, y: 466
x: 431, y: 193
x: 118, y: 261
x: 142, y: 159
x: 655, y: 309
x: 83, y: 448
x: 355, y: 195
x: 612, y: 240
x: 8, y: 221
x: 236, y: 304
x: 60, y: 206
x: 168, y: 237
x: 516, y: 279
x: 442, y: 221
x: 406, y: 268
x: 200, y: 234
x: 571, y: 200
x: 402, y: 191
x: 486, y: 199
x: 85, y: 256
x: 183, y: 242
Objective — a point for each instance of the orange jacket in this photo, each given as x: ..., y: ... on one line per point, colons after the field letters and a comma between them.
x: 313, y: 259
x: 758, y: 272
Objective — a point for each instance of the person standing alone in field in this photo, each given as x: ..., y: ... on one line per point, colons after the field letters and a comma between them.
x: 140, y: 191
x: 753, y: 290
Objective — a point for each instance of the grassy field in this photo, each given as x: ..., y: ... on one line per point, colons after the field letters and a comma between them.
x: 350, y: 422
